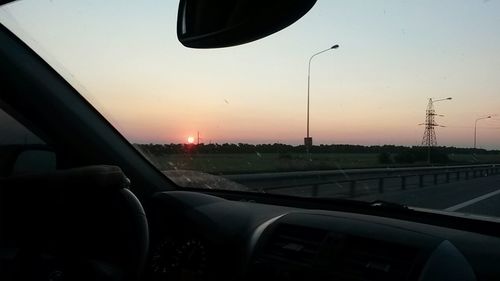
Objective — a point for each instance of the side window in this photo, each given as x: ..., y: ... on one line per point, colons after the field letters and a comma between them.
x: 22, y: 151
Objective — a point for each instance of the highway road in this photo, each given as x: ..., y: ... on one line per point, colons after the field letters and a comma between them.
x: 366, y: 179
x: 479, y: 196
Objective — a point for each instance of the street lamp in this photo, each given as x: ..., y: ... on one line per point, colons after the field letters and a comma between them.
x: 475, y: 128
x: 308, y: 139
x: 434, y: 101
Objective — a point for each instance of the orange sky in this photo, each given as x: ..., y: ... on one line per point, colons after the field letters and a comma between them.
x: 126, y: 60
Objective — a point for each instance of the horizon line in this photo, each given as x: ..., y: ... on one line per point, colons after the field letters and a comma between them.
x: 314, y: 145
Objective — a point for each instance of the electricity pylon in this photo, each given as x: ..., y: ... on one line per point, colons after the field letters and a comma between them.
x: 429, y: 139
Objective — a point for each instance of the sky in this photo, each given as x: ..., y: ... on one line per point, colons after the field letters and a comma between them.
x: 124, y: 57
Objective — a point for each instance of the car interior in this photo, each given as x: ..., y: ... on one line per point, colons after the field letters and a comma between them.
x: 86, y: 205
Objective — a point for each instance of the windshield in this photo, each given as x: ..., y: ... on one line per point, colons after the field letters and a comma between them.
x: 406, y: 109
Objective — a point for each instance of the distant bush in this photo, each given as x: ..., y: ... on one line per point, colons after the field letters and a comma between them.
x: 439, y: 157
x: 285, y: 156
x: 384, y: 158
x: 405, y: 157
x: 421, y: 154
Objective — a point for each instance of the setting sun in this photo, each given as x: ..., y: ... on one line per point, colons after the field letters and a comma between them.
x: 190, y: 139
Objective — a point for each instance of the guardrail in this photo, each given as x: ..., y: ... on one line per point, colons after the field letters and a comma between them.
x: 349, y: 182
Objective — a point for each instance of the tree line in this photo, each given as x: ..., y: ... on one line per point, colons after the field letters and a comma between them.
x: 159, y: 149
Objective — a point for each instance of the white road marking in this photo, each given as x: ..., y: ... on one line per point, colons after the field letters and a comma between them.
x: 472, y: 201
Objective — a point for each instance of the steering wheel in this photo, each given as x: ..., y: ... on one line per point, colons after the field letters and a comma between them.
x: 77, y: 224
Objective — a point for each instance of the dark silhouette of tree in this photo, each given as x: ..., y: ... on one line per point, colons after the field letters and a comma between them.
x: 417, y: 152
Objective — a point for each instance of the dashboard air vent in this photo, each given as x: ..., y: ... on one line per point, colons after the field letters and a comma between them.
x: 366, y: 259
x: 295, y: 244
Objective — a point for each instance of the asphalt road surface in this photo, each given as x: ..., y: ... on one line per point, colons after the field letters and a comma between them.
x: 472, y: 193
x: 479, y: 196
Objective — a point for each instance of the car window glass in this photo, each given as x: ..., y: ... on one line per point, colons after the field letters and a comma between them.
x: 16, y: 143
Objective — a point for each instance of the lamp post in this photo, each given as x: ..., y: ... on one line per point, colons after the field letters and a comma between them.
x: 434, y: 101
x: 475, y: 128
x: 308, y: 139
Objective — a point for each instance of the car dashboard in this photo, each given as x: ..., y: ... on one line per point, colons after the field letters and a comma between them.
x: 195, y: 236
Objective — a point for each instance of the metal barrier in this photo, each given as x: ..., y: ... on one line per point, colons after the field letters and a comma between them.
x: 351, y: 179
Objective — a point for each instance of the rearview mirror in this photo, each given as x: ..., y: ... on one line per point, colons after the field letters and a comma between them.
x: 225, y: 23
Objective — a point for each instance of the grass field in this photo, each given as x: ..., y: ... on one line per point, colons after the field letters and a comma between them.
x: 274, y: 162
x: 265, y: 162
x: 469, y: 158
